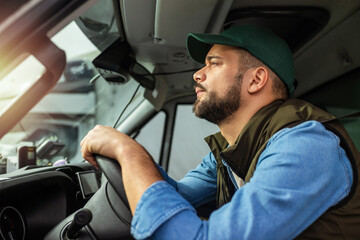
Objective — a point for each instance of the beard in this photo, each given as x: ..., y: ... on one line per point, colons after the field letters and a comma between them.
x: 216, y: 109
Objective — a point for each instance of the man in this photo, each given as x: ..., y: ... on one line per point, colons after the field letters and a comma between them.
x: 274, y: 172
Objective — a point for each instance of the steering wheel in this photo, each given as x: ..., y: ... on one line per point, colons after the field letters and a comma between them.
x: 112, y: 171
x: 109, y: 207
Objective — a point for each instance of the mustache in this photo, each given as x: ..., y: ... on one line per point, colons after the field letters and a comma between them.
x: 198, y: 85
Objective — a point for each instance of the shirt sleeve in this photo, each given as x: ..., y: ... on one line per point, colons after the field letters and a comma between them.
x: 302, y: 172
x: 199, y: 185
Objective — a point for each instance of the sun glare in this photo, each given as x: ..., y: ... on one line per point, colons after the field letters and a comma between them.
x: 19, y: 80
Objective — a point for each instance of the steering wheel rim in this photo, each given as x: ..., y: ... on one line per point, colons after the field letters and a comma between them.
x: 112, y: 171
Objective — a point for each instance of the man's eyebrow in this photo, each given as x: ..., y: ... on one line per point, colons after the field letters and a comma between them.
x: 208, y: 58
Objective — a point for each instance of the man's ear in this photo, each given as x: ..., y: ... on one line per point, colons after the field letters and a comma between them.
x: 258, y: 79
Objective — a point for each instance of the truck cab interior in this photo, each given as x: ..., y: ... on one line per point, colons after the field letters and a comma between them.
x: 66, y: 66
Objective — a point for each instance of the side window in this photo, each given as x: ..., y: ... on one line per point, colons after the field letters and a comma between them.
x: 188, y: 145
x: 151, y: 135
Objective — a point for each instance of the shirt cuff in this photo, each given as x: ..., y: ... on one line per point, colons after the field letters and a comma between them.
x: 159, y: 203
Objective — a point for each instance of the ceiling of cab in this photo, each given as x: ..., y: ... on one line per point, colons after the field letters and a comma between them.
x: 157, y: 29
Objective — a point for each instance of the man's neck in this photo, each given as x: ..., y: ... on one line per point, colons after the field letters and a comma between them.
x: 231, y: 127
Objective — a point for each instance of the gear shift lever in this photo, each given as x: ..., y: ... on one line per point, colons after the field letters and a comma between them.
x: 81, y: 218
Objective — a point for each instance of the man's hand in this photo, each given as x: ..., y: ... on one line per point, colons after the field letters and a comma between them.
x: 138, y: 168
x: 109, y: 142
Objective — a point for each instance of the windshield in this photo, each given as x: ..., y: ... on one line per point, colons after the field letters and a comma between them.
x: 51, y: 132
x: 18, y: 81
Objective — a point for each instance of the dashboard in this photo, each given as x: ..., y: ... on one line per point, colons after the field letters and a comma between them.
x: 33, y: 201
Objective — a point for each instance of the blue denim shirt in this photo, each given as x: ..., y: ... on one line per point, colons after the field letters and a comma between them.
x: 302, y: 172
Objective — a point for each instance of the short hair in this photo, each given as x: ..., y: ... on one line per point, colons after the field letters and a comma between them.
x: 247, y: 61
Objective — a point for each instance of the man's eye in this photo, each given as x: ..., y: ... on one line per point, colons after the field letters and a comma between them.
x: 214, y: 63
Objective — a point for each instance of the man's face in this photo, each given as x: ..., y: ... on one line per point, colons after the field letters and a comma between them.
x: 218, y: 85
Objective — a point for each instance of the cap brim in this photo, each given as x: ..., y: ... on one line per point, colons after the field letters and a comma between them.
x: 198, y: 45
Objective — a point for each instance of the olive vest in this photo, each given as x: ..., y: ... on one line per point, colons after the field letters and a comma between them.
x: 339, y: 222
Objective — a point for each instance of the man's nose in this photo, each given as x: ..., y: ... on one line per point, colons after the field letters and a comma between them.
x: 199, y: 76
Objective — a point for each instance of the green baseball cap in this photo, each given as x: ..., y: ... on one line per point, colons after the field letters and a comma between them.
x: 272, y: 50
